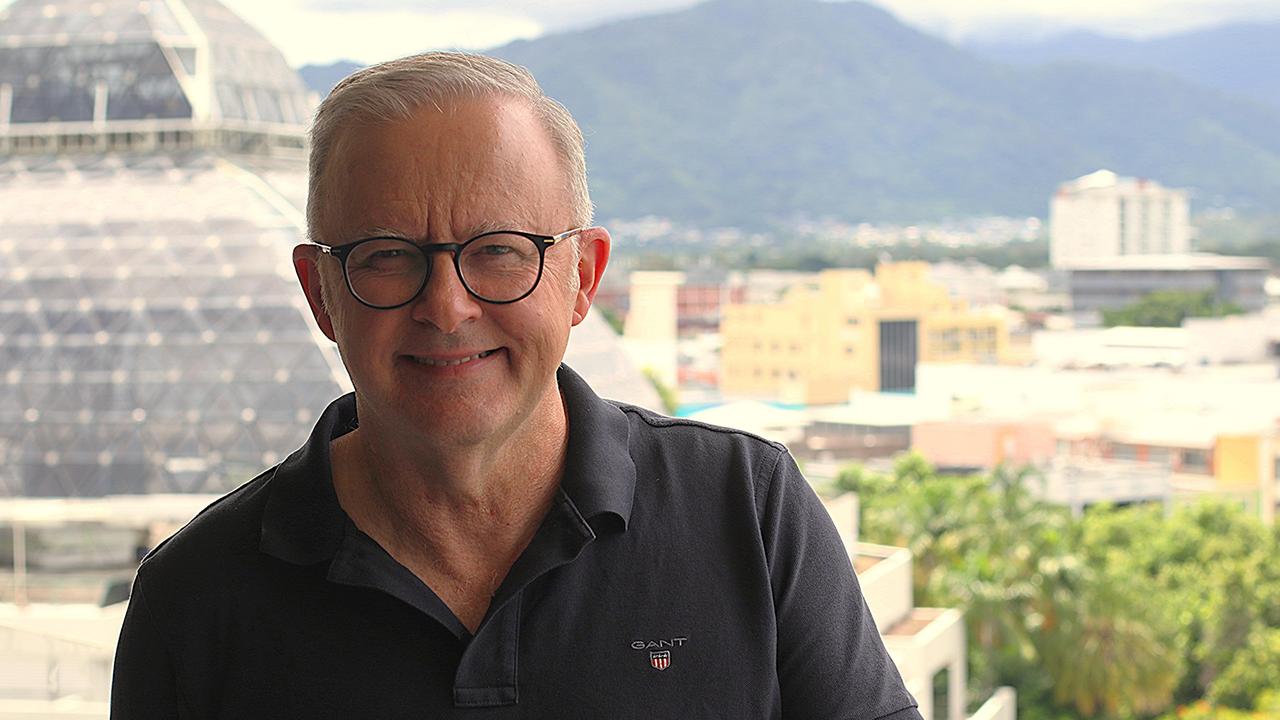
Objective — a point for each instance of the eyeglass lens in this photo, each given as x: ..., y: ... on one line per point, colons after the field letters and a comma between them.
x: 387, y: 272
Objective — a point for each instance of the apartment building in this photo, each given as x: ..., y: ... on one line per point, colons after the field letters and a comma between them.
x: 851, y: 330
x: 1120, y: 238
x: 1102, y: 216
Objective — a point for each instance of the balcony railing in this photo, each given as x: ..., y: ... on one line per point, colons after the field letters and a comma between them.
x: 1002, y: 705
x: 884, y: 573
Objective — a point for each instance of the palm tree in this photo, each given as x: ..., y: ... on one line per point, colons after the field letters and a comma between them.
x: 1109, y: 648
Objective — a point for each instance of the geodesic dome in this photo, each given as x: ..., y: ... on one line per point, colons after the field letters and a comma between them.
x: 152, y: 338
x: 70, y: 61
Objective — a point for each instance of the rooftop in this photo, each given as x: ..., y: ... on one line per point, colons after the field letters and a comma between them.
x: 863, y: 563
x: 1184, y: 261
x: 1106, y: 180
x: 918, y: 619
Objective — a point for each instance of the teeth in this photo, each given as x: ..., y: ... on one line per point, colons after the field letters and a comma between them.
x: 449, y: 363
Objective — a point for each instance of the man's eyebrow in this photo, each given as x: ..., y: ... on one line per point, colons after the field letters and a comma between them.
x: 485, y: 226
x: 479, y: 228
x: 379, y: 231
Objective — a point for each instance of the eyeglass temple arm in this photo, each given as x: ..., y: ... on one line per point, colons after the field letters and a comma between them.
x: 564, y: 235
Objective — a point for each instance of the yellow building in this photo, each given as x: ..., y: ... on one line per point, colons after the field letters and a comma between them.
x: 1245, y: 465
x: 852, y: 330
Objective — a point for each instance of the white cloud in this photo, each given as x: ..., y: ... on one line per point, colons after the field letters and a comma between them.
x: 1134, y: 18
x: 311, y: 36
x: 551, y: 14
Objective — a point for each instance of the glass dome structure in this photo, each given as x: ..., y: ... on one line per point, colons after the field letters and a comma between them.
x: 113, y: 73
x: 152, y: 183
x: 151, y: 333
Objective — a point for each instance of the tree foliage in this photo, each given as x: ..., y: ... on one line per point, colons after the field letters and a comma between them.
x: 1122, y: 613
x: 665, y: 392
x: 789, y: 251
x: 1168, y: 308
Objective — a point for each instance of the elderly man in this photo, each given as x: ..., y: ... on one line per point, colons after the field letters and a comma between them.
x: 473, y: 532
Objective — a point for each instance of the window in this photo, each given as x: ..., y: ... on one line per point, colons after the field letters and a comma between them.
x: 942, y: 695
x: 1195, y: 460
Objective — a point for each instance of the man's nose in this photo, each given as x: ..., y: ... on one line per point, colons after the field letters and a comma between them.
x: 444, y: 302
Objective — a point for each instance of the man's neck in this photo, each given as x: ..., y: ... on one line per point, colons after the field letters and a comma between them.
x: 453, y: 514
x: 410, y: 475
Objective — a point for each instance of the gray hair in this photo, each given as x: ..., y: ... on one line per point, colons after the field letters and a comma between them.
x: 394, y: 90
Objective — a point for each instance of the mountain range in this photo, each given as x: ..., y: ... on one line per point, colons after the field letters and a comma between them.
x: 1239, y: 58
x: 757, y: 113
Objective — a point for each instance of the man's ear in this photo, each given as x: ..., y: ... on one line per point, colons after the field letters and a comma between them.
x: 305, y: 258
x: 594, y: 245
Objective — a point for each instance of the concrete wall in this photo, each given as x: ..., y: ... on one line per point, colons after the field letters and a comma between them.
x: 984, y: 444
x: 887, y: 584
x: 1234, y: 339
x: 1237, y: 460
x: 649, y: 336
x: 939, y: 645
x: 1002, y: 705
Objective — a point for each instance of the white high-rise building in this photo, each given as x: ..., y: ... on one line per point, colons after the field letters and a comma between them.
x: 1102, y: 216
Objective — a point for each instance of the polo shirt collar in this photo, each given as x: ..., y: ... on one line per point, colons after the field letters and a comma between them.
x: 599, y: 474
x: 303, y: 523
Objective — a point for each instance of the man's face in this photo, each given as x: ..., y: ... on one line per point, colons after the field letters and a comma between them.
x: 459, y: 369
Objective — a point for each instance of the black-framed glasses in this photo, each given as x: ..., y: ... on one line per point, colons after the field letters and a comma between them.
x: 497, y: 267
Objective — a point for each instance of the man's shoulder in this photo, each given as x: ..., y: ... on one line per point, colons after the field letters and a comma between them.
x: 700, y: 434
x: 222, y: 533
x: 704, y: 458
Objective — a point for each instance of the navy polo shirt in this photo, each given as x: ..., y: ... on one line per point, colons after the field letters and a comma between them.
x: 683, y: 571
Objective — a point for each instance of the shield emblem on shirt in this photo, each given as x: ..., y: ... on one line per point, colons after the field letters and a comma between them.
x: 660, y: 660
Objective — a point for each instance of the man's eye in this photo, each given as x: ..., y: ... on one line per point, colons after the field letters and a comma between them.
x: 388, y: 254
x: 497, y: 249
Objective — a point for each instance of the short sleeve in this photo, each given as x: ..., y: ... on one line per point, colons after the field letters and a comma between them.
x: 143, y: 681
x: 831, y: 660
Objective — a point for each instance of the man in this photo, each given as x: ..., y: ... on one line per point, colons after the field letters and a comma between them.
x: 474, y: 533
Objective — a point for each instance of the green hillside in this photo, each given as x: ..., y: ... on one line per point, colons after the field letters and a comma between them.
x: 750, y: 112
x: 757, y: 112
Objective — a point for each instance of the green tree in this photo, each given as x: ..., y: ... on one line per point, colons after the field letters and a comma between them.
x: 1109, y: 650
x: 1168, y: 308
x: 1053, y: 605
x: 1252, y: 674
x: 1212, y: 566
x: 665, y: 392
x: 611, y: 317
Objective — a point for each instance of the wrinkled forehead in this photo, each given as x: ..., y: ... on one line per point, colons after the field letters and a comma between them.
x: 460, y: 161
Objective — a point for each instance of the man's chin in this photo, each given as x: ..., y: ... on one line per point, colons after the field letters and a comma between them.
x: 453, y: 424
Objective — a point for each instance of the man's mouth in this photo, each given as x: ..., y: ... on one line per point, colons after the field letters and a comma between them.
x: 435, y: 362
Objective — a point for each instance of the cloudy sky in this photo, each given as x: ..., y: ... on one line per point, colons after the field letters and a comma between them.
x: 320, y: 31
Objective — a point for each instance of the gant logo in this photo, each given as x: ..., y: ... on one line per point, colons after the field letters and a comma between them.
x: 658, y: 644
x: 660, y: 660
x: 659, y: 650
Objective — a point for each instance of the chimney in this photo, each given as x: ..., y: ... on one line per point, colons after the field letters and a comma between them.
x: 100, y: 104
x: 6, y: 105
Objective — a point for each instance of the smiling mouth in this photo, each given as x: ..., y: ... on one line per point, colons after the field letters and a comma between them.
x: 430, y: 362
